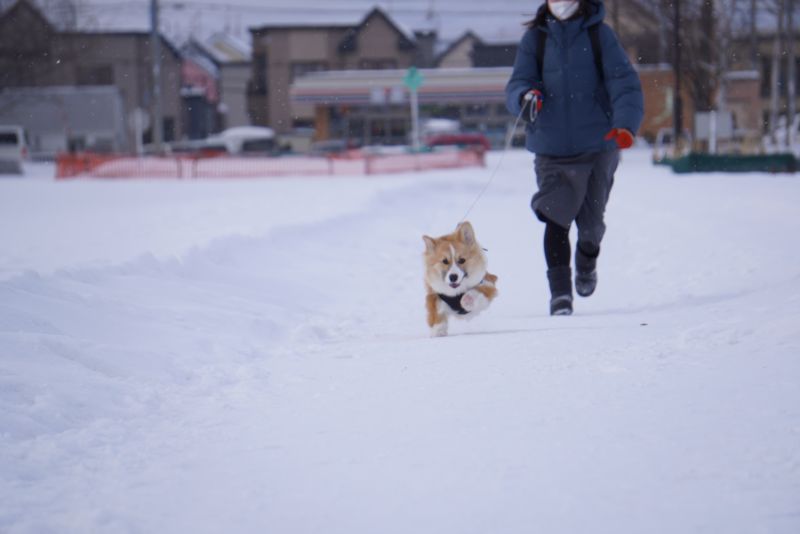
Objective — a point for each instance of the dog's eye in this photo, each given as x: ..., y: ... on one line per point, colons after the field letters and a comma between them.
x: 461, y: 261
x: 446, y: 261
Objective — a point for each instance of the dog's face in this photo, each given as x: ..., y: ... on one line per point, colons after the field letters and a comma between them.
x: 454, y: 262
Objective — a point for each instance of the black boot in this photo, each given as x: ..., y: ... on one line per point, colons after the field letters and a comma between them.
x: 560, y: 279
x: 586, y: 269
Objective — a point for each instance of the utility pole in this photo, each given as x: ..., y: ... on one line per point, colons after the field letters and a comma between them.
x: 157, y: 123
x: 754, y: 35
x: 775, y: 86
x: 791, y: 89
x: 677, y: 106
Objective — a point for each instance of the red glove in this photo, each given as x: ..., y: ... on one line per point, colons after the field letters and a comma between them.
x: 531, y: 105
x: 536, y: 96
x: 621, y: 136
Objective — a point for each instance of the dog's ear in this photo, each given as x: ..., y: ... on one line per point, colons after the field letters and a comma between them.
x: 430, y: 243
x: 466, y: 233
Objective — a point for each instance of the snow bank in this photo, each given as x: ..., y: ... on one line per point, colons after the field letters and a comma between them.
x: 251, y: 356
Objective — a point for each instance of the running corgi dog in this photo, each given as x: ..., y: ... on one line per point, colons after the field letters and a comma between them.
x: 456, y: 279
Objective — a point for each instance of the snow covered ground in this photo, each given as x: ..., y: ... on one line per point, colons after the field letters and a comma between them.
x: 251, y: 356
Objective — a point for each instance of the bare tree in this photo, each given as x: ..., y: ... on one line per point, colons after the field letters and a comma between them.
x: 698, y: 40
x: 660, y: 9
x: 775, y: 92
x: 791, y: 90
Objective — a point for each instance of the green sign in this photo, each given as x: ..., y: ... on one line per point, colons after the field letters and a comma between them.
x: 413, y: 78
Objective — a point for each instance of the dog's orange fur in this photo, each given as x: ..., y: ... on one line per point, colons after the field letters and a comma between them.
x: 431, y: 304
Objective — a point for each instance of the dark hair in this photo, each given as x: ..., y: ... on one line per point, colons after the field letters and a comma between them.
x: 584, y: 10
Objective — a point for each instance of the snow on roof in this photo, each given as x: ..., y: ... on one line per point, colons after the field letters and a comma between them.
x: 201, y: 19
x: 226, y: 48
x: 197, y: 53
x: 323, y: 18
x: 742, y: 75
x: 247, y: 131
x: 402, y: 28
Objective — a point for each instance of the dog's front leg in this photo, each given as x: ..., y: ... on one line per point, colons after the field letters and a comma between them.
x: 437, y: 321
x: 474, y: 301
x: 439, y: 329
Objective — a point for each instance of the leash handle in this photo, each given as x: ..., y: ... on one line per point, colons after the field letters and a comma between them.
x: 535, y: 98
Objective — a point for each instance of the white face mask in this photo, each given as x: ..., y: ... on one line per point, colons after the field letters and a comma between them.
x: 562, y: 9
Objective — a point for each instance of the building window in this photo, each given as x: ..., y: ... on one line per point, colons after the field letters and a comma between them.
x: 477, y: 110
x: 398, y: 131
x: 377, y: 64
x: 797, y: 72
x: 449, y: 111
x: 258, y: 85
x: 95, y: 75
x: 766, y: 75
x: 302, y: 123
x: 169, y: 128
x: 300, y: 68
x: 377, y: 130
x: 356, y: 129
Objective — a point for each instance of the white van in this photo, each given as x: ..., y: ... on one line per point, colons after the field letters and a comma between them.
x: 13, y: 149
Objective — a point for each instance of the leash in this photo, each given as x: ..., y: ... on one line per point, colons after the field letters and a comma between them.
x: 509, y: 137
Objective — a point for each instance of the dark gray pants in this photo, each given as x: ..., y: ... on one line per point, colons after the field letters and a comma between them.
x: 575, y: 188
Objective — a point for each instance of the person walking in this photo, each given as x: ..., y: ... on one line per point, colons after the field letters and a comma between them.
x: 582, y: 98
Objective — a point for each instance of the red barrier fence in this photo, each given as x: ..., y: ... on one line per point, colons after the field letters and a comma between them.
x: 87, y: 165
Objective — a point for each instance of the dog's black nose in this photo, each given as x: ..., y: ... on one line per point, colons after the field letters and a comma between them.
x: 453, y: 277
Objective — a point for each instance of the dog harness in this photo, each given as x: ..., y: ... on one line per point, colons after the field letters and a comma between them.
x: 454, y: 302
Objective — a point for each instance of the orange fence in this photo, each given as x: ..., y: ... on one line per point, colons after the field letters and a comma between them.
x: 87, y: 165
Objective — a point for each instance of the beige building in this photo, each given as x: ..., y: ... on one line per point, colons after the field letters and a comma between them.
x: 33, y: 53
x: 233, y: 59
x: 282, y: 54
x: 459, y: 53
x: 760, y: 74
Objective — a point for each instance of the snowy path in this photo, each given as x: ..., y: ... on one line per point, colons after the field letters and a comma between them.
x: 275, y: 375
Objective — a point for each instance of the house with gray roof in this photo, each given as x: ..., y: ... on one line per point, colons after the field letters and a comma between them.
x: 35, y: 54
x: 283, y: 53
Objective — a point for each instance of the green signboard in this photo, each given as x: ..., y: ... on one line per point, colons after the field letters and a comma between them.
x: 413, y: 78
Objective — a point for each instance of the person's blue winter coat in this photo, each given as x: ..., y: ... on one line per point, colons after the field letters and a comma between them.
x: 579, y: 108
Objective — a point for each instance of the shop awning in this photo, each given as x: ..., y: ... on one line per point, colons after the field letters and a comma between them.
x: 381, y: 87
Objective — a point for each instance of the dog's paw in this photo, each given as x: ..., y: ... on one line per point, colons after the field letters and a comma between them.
x: 473, y: 301
x: 439, y: 330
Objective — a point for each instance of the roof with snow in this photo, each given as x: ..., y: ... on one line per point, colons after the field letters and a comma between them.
x: 200, y: 19
x: 226, y: 48
x: 306, y: 22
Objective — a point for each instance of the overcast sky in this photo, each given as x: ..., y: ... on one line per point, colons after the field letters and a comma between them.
x: 498, y: 21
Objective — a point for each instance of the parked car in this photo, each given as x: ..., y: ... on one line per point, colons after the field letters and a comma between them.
x: 245, y: 140
x: 237, y: 141
x: 477, y: 140
x: 333, y: 148
x: 13, y: 149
